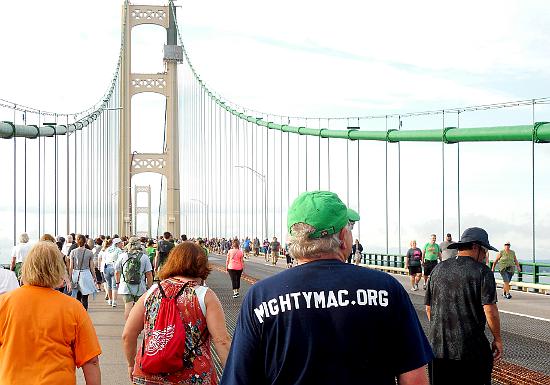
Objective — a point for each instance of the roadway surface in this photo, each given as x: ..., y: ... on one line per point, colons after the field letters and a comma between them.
x: 526, y: 334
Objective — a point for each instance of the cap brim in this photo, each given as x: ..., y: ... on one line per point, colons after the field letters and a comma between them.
x: 456, y: 244
x: 353, y: 215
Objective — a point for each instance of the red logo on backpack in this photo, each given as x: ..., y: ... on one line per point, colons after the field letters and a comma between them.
x: 163, y: 351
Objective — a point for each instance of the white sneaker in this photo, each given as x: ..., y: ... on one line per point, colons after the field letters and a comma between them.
x: 113, y: 304
x: 108, y: 302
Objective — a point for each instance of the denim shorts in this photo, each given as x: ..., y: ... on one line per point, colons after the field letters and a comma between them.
x: 507, y: 274
x: 109, y: 274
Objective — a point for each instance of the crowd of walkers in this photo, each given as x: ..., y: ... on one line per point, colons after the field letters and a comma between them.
x: 289, y: 330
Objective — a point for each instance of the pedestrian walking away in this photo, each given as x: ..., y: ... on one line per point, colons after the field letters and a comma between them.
x: 81, y: 265
x: 460, y: 300
x: 133, y: 274
x: 357, y: 252
x: 507, y: 262
x: 185, y: 357
x: 314, y: 323
x: 234, y: 265
x: 430, y: 255
x: 18, y: 254
x: 45, y: 335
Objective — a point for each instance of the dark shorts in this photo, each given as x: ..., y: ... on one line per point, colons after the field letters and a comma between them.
x: 129, y: 298
x: 459, y: 372
x: 288, y: 258
x: 415, y: 270
x: 429, y: 266
x: 507, y: 274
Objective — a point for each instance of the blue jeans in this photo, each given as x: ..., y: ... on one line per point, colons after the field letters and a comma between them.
x: 109, y: 274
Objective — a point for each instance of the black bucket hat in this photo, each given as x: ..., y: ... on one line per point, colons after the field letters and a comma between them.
x: 473, y: 235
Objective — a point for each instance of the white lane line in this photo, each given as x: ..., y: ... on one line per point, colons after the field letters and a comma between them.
x: 525, y: 315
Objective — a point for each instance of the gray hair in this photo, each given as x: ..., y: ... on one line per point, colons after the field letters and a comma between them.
x: 302, y: 246
x: 23, y: 238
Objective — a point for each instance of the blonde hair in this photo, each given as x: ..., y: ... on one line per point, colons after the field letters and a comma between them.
x: 23, y: 238
x: 47, y: 237
x: 302, y: 246
x: 43, y: 266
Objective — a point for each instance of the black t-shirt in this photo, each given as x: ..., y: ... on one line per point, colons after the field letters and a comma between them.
x: 414, y: 256
x: 457, y: 290
x: 326, y: 322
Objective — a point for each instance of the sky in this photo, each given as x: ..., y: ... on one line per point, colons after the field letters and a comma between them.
x: 321, y: 59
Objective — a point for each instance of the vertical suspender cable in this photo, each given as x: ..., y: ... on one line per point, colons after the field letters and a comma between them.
x: 55, y: 179
x: 386, y: 146
x: 306, y: 155
x: 14, y: 179
x: 281, y: 178
x: 67, y: 181
x: 39, y: 177
x: 288, y: 167
x: 458, y: 174
x: 267, y: 175
x: 274, y: 181
x: 319, y: 157
x: 25, y: 176
x: 328, y: 156
x: 399, y: 189
x: 347, y: 165
x: 359, y: 180
x: 533, y: 181
x: 443, y: 176
x: 237, y: 137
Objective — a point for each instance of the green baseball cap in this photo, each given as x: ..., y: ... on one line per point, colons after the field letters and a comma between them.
x: 322, y: 210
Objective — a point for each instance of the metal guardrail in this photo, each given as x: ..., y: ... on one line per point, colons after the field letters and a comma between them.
x: 537, y: 273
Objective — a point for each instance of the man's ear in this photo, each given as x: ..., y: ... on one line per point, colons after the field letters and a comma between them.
x: 342, y: 233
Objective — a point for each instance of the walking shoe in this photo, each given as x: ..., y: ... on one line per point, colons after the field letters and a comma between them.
x: 235, y: 295
x: 108, y: 302
x: 508, y: 296
x: 424, y: 287
x: 416, y: 286
x: 113, y: 304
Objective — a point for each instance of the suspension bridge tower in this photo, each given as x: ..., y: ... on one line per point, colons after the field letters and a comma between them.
x: 165, y: 83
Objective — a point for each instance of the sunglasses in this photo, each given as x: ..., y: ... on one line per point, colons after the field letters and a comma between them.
x: 351, y: 224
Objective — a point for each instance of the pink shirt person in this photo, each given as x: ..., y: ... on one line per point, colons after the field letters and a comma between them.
x: 234, y: 260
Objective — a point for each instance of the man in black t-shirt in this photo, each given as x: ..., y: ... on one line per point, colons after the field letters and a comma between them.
x: 326, y: 321
x: 460, y: 300
x: 413, y: 262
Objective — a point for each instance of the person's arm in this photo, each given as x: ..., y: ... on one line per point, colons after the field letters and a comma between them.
x: 149, y: 279
x: 71, y: 266
x: 416, y: 376
x: 92, y: 268
x: 423, y: 254
x: 215, y: 321
x: 92, y: 372
x: 495, y: 261
x: 227, y: 260
x: 493, y: 321
x: 429, y: 312
x: 134, y: 326
x: 13, y: 259
x: 155, y: 261
x: 517, y: 264
x: 117, y: 277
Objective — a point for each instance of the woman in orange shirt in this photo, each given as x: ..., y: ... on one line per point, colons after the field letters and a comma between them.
x: 45, y: 334
x: 235, y: 266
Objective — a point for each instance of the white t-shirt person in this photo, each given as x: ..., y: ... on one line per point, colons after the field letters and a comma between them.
x: 126, y: 288
x: 8, y: 281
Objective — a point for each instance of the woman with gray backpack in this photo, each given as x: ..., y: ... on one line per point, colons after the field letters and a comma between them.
x: 133, y: 274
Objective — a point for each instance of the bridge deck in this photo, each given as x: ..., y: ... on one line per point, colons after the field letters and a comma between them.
x: 526, y: 339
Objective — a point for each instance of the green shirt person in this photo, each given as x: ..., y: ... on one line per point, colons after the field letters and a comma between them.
x: 506, y: 260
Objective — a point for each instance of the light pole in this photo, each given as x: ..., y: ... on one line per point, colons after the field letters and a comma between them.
x: 207, y: 216
x: 264, y: 193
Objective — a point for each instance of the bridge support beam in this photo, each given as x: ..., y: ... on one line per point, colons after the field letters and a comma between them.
x: 166, y: 83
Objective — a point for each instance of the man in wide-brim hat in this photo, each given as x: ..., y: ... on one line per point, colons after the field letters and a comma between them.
x: 460, y: 300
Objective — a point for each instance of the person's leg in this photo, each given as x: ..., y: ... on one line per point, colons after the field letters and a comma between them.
x: 128, y: 304
x: 445, y: 372
x: 238, y: 279
x: 413, y: 277
x: 84, y: 301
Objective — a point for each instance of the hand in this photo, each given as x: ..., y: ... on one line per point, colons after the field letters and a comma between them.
x: 130, y: 372
x: 497, y: 350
